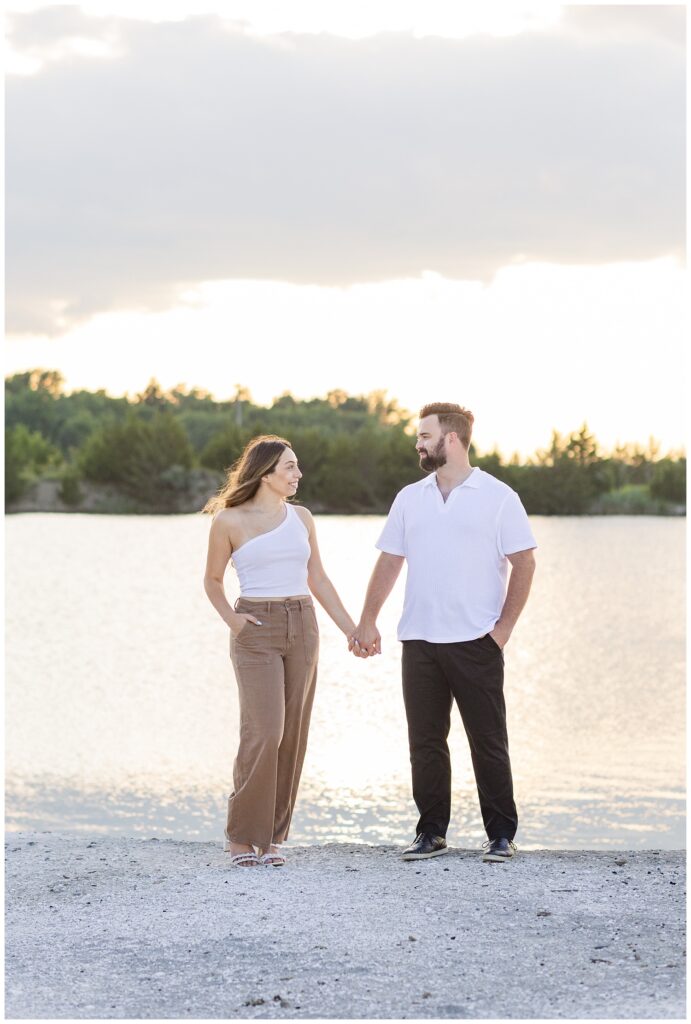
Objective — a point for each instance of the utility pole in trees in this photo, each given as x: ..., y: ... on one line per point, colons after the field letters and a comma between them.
x: 241, y: 395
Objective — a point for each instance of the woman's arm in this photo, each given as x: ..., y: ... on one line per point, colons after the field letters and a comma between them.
x: 220, y: 550
x: 319, y: 583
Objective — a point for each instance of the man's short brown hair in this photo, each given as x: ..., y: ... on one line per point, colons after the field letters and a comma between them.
x: 451, y: 417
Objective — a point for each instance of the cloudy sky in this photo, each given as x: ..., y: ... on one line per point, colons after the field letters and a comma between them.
x: 476, y: 203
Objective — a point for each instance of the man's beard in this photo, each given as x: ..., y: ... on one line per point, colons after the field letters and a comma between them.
x: 436, y: 458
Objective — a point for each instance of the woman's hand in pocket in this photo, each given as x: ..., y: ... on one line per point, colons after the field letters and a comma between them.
x: 240, y: 621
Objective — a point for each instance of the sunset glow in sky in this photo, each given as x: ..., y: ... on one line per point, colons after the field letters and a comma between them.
x: 451, y: 202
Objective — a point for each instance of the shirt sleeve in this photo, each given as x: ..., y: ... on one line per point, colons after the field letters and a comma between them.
x: 392, y: 538
x: 514, y: 533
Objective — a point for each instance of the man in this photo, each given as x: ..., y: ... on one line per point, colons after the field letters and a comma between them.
x: 458, y: 529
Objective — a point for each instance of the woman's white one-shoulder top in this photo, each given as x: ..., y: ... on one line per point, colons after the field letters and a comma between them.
x: 274, y: 564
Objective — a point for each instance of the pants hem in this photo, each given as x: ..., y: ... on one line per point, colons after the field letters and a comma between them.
x: 251, y: 842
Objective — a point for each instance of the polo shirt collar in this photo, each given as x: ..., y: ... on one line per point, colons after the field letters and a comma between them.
x: 470, y: 481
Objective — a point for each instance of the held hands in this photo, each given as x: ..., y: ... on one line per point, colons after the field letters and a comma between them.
x: 365, y: 641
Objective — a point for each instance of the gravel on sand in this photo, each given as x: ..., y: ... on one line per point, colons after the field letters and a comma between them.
x: 100, y: 927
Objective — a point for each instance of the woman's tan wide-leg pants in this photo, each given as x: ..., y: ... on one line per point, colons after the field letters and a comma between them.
x: 276, y: 670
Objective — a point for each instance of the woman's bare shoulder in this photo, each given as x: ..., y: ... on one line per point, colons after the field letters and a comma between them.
x: 227, y: 518
x: 229, y: 525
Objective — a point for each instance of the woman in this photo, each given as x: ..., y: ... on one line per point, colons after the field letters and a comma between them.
x: 274, y: 639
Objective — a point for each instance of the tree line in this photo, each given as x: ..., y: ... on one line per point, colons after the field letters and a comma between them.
x: 355, y: 451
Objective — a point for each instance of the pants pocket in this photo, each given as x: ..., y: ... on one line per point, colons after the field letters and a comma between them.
x: 491, y: 644
x: 249, y: 647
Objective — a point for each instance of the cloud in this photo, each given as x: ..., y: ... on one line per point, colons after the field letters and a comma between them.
x: 627, y: 23
x: 201, y: 153
x: 54, y: 25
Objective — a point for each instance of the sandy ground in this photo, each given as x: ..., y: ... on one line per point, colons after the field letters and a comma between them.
x: 134, y: 928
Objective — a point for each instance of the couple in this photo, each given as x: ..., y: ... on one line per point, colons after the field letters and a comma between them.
x: 458, y: 529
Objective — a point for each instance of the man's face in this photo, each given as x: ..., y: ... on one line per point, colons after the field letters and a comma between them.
x: 430, y: 444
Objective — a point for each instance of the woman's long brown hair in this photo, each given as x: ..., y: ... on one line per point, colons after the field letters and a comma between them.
x: 259, y: 458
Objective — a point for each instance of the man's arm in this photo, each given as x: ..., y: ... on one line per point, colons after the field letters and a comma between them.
x: 384, y: 575
x: 522, y: 569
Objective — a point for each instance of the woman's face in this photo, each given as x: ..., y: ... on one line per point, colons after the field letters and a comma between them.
x: 286, y: 476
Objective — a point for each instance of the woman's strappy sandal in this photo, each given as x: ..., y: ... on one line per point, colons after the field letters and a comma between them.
x: 273, y: 860
x: 239, y: 860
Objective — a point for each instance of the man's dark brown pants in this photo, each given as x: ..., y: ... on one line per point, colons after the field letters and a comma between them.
x: 472, y: 674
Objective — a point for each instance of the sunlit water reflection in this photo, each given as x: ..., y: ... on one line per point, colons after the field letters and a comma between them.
x: 122, y: 707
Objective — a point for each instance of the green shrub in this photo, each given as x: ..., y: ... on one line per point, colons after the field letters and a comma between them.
x: 70, y: 492
x: 136, y: 455
x: 26, y: 454
x: 630, y: 500
x: 669, y: 481
x: 225, y: 447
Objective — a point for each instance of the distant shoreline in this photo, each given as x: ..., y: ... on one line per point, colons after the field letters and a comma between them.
x: 44, y: 496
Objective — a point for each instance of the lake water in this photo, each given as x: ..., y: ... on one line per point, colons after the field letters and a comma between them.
x: 122, y: 708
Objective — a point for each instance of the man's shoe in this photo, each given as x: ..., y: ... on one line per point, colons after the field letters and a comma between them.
x: 498, y: 850
x: 425, y: 845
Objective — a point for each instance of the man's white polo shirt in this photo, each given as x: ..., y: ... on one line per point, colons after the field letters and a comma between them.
x: 456, y: 554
